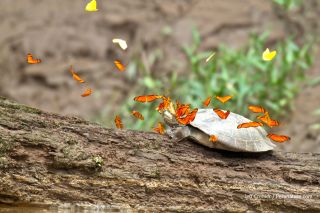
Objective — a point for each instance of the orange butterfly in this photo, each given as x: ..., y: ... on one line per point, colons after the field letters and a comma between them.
x: 118, y: 122
x: 213, y: 138
x: 256, y: 109
x: 278, y: 138
x: 192, y: 114
x: 159, y: 129
x: 75, y: 75
x: 137, y: 115
x: 119, y: 65
x: 187, y: 118
x: 224, y: 99
x: 31, y: 60
x: 221, y: 114
x: 249, y: 124
x: 274, y: 123
x: 182, y: 109
x: 207, y: 101
x: 160, y: 107
x: 266, y: 119
x: 87, y: 92
x: 165, y: 104
x: 147, y: 98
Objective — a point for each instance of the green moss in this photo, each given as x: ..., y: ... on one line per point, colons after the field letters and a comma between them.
x: 155, y: 173
x: 71, y: 141
x: 98, y: 161
x: 3, y: 162
x: 30, y: 109
x: 12, y: 105
x: 5, y: 146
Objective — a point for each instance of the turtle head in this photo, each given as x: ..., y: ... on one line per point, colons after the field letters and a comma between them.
x: 169, y: 118
x: 169, y: 115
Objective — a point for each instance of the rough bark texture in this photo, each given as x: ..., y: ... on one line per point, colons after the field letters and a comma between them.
x: 50, y: 158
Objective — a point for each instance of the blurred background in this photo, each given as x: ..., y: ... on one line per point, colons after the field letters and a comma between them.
x: 168, y: 42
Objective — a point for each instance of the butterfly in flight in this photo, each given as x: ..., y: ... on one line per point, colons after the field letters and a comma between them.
x: 207, y: 101
x: 147, y: 98
x: 91, y: 6
x: 137, y: 115
x: 118, y: 122
x: 75, y: 75
x: 119, y: 65
x: 256, y: 109
x: 122, y: 43
x: 278, y: 138
x: 267, y: 120
x: 87, y: 92
x: 32, y: 60
x: 224, y: 99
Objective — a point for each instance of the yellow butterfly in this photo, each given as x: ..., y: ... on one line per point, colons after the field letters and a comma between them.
x: 92, y: 6
x: 267, y: 55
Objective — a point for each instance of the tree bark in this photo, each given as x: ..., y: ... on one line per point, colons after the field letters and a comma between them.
x: 49, y: 158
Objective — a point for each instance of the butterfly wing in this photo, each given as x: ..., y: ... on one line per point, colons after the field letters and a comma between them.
x: 249, y: 124
x: 87, y: 92
x: 119, y: 65
x: 207, y: 101
x: 224, y: 99
x: 256, y: 109
x: 147, y: 98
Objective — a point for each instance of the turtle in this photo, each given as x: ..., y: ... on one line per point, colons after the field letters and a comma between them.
x: 229, y: 137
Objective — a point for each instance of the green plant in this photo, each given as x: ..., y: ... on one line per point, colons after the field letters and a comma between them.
x: 288, y: 4
x: 245, y: 75
x: 316, y: 126
x: 315, y: 82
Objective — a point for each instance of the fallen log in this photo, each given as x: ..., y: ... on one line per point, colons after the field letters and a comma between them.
x: 49, y: 158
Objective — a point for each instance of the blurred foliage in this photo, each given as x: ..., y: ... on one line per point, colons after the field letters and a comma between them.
x: 316, y: 126
x: 251, y: 80
x: 315, y: 82
x: 238, y: 72
x: 288, y: 4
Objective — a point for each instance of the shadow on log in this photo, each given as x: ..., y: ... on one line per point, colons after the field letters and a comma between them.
x: 49, y: 158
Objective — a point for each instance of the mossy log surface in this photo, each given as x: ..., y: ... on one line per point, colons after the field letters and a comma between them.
x: 49, y: 158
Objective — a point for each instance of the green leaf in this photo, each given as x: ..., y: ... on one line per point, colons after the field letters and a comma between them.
x: 317, y: 112
x: 315, y: 126
x: 149, y: 82
x: 196, y: 37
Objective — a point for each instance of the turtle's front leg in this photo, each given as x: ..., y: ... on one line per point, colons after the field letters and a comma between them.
x: 178, y: 133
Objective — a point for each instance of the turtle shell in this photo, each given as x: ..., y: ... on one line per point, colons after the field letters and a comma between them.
x: 251, y: 139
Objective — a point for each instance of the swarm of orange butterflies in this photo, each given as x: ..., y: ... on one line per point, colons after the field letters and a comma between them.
x: 88, y: 91
x: 184, y: 115
x: 266, y: 119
